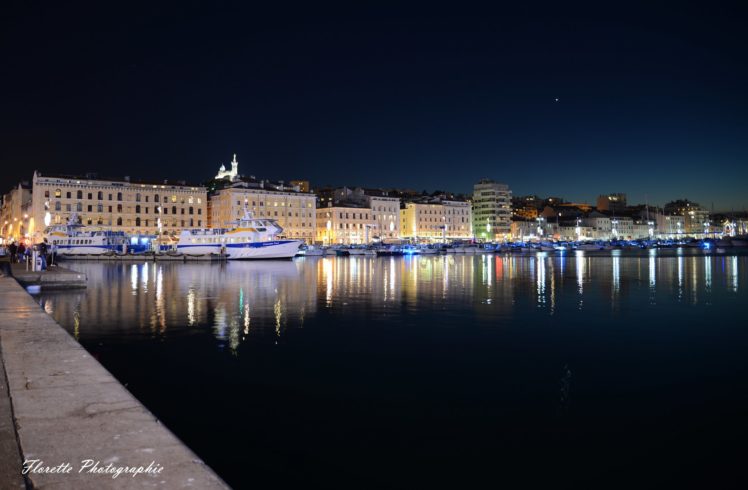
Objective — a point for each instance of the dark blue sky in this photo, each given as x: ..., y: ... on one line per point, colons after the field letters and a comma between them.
x: 652, y: 99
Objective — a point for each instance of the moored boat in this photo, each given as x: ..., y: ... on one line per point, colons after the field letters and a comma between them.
x: 249, y: 239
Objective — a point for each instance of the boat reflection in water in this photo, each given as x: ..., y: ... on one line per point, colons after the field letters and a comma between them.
x: 333, y: 371
x: 267, y: 297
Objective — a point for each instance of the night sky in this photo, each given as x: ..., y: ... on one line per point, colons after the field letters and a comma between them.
x: 651, y: 99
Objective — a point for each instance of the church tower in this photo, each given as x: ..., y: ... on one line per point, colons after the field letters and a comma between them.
x: 232, y: 174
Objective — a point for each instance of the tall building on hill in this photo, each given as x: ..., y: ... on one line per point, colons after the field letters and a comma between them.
x: 612, y: 203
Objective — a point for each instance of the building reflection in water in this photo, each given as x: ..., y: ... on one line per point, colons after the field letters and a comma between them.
x: 266, y: 300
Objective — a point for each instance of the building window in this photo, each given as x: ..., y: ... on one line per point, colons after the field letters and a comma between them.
x: 100, y: 196
x: 68, y: 195
x: 137, y: 209
x: 199, y: 210
x: 119, y: 208
x: 137, y: 221
x: 192, y: 211
x: 90, y: 196
x: 119, y: 196
x: 155, y: 198
x: 174, y: 211
x: 46, y: 194
x: 79, y: 207
x: 119, y: 221
x: 137, y: 197
x: 90, y: 208
x: 174, y: 199
x: 58, y: 206
x: 100, y: 208
x: 58, y: 193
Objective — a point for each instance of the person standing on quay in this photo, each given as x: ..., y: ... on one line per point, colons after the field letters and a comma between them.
x: 13, y: 250
x: 43, y: 248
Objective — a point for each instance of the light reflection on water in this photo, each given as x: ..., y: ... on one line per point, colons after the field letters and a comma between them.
x: 169, y: 298
x: 395, y: 366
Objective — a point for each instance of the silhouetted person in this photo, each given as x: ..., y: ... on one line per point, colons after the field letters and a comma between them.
x: 43, y: 250
x: 13, y: 250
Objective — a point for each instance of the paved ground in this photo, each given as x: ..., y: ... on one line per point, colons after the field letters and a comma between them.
x: 10, y: 456
x: 68, y: 408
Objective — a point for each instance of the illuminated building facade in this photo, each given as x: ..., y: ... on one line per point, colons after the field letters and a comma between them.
x: 117, y: 205
x: 15, y: 214
x: 436, y: 220
x: 345, y: 224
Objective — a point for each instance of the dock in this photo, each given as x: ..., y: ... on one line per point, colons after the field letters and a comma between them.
x: 144, y: 258
x: 60, y: 406
x: 54, y: 277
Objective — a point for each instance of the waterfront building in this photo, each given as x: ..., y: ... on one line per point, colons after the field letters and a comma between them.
x: 15, y: 214
x: 641, y: 229
x: 436, y: 219
x: 599, y: 224
x: 612, y: 203
x: 695, y: 217
x: 293, y: 210
x: 134, y: 207
x: 345, y: 223
x: 622, y: 228
x: 670, y: 225
x: 523, y: 229
x: 385, y: 208
x: 492, y: 210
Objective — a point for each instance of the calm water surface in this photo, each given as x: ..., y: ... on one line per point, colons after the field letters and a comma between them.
x: 424, y: 372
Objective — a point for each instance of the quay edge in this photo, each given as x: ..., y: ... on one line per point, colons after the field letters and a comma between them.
x: 68, y: 408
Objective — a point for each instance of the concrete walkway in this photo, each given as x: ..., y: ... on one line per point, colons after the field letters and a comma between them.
x: 67, y: 408
x: 10, y: 455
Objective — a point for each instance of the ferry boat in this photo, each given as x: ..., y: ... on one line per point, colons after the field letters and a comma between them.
x: 72, y: 239
x: 250, y: 239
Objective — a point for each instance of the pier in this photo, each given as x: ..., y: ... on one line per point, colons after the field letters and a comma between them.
x: 54, y: 277
x: 60, y: 406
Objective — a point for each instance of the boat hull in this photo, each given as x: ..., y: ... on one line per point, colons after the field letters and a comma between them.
x: 279, y: 249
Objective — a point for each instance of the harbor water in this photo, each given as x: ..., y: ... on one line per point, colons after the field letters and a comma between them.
x: 570, y: 371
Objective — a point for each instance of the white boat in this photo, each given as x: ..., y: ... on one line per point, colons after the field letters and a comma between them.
x: 313, y: 252
x: 249, y: 239
x: 356, y: 251
x: 72, y: 239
